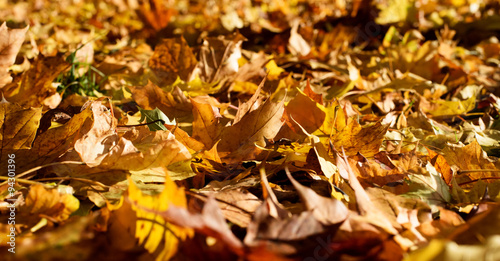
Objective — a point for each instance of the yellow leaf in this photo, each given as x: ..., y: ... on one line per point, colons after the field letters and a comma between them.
x: 50, y: 202
x: 151, y: 228
x: 18, y: 126
x: 273, y: 70
x: 355, y: 138
x: 206, y: 127
x: 305, y: 112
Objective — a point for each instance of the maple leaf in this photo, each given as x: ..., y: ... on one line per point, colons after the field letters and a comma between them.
x: 219, y: 58
x: 147, y: 226
x: 18, y: 126
x: 35, y: 87
x: 49, y: 202
x: 238, y: 141
x: 206, y: 125
x: 173, y: 104
x: 11, y: 42
x: 171, y: 59
x: 470, y: 157
x: 154, y: 14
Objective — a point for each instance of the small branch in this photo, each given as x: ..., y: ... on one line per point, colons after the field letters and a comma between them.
x: 43, y: 166
x: 30, y: 182
x: 92, y: 182
x: 476, y: 180
x: 477, y: 170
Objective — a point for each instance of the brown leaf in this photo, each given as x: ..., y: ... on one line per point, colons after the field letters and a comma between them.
x: 242, y: 204
x: 206, y: 125
x: 318, y: 98
x: 355, y: 138
x: 35, y: 88
x: 137, y: 149
x: 238, y: 141
x: 253, y: 103
x: 10, y: 43
x: 364, y: 203
x: 53, y: 143
x: 172, y: 58
x: 304, y: 111
x: 275, y: 233
x: 328, y: 211
x: 439, y: 162
x: 154, y: 14
x: 470, y: 158
x: 49, y: 202
x: 17, y: 126
x: 386, y: 168
x: 218, y: 58
x: 173, y: 104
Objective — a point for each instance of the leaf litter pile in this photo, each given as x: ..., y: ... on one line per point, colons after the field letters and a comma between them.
x: 250, y: 130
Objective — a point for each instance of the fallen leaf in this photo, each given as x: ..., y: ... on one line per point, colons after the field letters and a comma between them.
x: 150, y: 97
x: 171, y: 59
x: 18, y: 126
x: 206, y: 125
x: 35, y: 87
x: 49, y: 202
x: 470, y: 158
x: 151, y: 229
x: 240, y: 139
x: 218, y: 58
x: 12, y: 39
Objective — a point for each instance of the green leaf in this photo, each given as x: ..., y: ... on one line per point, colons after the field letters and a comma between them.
x: 155, y: 115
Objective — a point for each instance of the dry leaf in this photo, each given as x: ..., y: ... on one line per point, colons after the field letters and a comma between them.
x: 239, y: 140
x: 172, y: 59
x: 11, y: 42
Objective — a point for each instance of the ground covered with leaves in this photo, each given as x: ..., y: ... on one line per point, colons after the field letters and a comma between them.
x: 250, y: 130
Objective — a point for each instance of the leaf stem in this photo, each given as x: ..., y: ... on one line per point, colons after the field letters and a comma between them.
x: 475, y: 180
x: 43, y: 166
x: 477, y: 170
